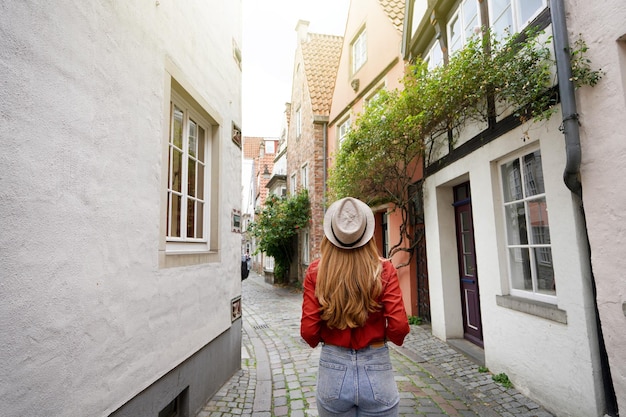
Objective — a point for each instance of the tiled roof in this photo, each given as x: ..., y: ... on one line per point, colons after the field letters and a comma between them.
x: 395, y: 11
x: 251, y: 146
x: 321, y: 59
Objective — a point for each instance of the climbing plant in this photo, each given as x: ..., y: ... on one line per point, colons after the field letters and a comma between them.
x: 492, y: 75
x: 275, y: 229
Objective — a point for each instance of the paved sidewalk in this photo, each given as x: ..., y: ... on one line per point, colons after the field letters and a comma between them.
x: 278, y: 369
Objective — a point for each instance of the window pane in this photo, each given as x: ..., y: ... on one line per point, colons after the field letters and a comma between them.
x: 191, y: 209
x: 538, y: 213
x: 468, y: 265
x: 533, y: 174
x: 527, y: 9
x: 470, y: 17
x: 511, y: 181
x: 545, y: 273
x: 201, y: 141
x: 455, y: 34
x: 199, y: 219
x: 177, y: 166
x: 177, y: 132
x: 465, y: 224
x: 516, y: 224
x: 520, y: 269
x: 193, y: 138
x: 175, y: 226
x: 502, y: 15
x: 200, y: 181
x: 191, y: 177
x: 359, y: 51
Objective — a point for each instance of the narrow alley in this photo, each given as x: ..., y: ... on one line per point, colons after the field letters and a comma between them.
x: 278, y: 369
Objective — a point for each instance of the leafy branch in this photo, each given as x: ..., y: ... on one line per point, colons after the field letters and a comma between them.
x: 276, y: 226
x: 381, y: 158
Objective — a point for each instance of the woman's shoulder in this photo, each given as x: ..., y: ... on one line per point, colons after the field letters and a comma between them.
x: 313, y: 267
x: 388, y: 270
x: 386, y: 263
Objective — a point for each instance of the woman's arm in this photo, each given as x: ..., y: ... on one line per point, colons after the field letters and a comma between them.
x: 310, y: 324
x: 393, y: 305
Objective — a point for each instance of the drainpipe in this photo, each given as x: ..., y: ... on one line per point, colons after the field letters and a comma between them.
x: 568, y: 99
x: 572, y: 171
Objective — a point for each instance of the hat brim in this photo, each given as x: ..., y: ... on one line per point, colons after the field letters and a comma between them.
x: 369, y: 226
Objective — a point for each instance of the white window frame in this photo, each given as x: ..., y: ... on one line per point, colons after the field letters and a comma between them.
x: 513, y: 251
x: 514, y: 8
x: 468, y: 24
x: 298, y: 123
x: 358, y: 48
x: 185, y: 243
x: 434, y: 57
x: 177, y: 251
x: 292, y: 183
x: 343, y: 129
x: 304, y: 176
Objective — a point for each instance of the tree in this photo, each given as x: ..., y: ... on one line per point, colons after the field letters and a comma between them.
x: 382, y: 156
x: 276, y: 226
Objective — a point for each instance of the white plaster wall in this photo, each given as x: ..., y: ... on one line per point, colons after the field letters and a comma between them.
x: 555, y: 364
x: 603, y: 142
x: 88, y: 319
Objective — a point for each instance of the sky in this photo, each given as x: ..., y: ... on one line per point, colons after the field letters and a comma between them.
x: 268, y: 50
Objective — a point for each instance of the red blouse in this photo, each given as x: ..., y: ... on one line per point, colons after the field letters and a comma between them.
x: 389, y: 323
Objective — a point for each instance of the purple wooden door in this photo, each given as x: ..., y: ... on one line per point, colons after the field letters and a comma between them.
x: 467, y: 265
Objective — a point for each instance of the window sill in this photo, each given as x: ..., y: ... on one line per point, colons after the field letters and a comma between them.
x: 532, y: 307
x: 170, y: 259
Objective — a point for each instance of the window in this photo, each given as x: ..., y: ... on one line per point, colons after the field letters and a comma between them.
x: 463, y: 25
x: 359, y: 51
x: 527, y: 228
x: 371, y: 99
x: 342, y: 130
x: 513, y: 15
x: 292, y: 184
x: 188, y: 149
x: 298, y: 123
x: 434, y: 57
x: 270, y: 147
x: 305, y: 247
x: 304, y: 176
x: 189, y: 212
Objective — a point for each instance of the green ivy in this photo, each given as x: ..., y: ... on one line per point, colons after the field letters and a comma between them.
x: 380, y: 158
x: 276, y: 227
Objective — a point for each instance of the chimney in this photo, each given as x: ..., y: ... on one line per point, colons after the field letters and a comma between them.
x: 302, y: 28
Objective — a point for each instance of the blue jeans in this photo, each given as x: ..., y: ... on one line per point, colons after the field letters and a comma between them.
x: 354, y: 383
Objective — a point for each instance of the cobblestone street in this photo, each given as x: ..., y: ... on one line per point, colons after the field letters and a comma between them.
x: 278, y: 369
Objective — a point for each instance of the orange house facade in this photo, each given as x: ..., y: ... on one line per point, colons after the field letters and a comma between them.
x: 371, y: 61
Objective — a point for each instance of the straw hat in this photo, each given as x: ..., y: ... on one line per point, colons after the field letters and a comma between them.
x: 349, y: 223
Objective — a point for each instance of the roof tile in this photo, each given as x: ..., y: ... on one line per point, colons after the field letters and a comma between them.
x: 321, y: 59
x: 395, y: 12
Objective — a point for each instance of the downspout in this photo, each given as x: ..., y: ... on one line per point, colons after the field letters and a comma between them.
x: 571, y: 172
x: 568, y: 99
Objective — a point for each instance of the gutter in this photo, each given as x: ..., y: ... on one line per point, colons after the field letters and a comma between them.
x: 570, y: 124
x: 571, y: 173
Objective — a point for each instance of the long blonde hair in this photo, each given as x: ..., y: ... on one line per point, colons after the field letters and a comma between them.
x: 348, y: 284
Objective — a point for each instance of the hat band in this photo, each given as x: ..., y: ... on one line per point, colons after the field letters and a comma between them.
x: 348, y: 245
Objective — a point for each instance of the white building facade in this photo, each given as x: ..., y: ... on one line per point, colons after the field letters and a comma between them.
x: 121, y: 291
x: 603, y: 146
x: 508, y: 259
